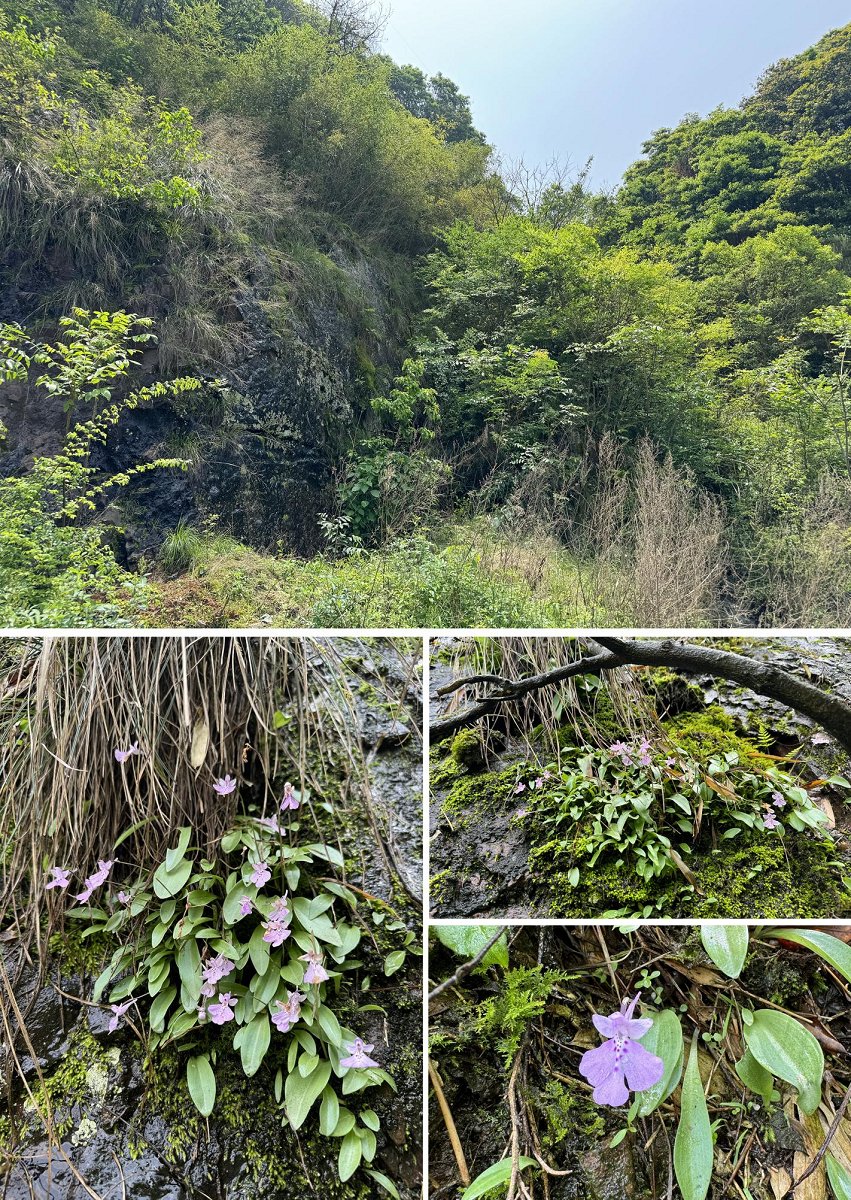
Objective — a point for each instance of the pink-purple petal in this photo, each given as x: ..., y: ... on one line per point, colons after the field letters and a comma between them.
x: 612, y: 1091
x: 641, y: 1068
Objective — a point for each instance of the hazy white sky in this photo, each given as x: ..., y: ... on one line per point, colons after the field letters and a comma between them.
x: 576, y: 78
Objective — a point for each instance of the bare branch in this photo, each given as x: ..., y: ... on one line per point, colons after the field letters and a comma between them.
x: 829, y: 711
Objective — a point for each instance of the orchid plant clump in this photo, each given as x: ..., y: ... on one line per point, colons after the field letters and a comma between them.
x: 254, y: 940
x: 637, y: 803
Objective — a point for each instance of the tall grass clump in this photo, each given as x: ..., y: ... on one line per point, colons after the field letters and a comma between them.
x: 260, y: 709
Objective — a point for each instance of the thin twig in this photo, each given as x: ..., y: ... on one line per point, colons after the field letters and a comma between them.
x: 449, y: 1122
x: 467, y: 967
x: 822, y: 1150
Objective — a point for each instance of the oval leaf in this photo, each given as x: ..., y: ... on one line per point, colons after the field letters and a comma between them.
x: 665, y: 1039
x: 467, y: 940
x: 727, y: 946
x: 254, y: 1043
x: 831, y: 949
x: 754, y: 1075
x: 200, y: 742
x: 789, y: 1051
x: 202, y: 1083
x: 301, y: 1093
x: 169, y: 883
x: 693, y: 1151
x: 840, y: 1179
x: 350, y: 1156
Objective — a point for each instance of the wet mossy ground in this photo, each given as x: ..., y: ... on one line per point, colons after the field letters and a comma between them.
x: 758, y: 879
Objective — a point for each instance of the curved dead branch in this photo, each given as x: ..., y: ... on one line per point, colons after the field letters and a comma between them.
x: 830, y: 712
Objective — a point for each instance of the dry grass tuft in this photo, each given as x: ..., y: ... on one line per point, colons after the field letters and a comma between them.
x: 544, y: 713
x: 262, y: 709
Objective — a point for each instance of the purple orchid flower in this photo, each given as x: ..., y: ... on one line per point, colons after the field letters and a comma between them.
x: 222, y: 1012
x: 315, y: 972
x: 358, y: 1056
x: 621, y: 1064
x: 61, y: 878
x: 289, y: 799
x: 521, y: 787
x: 214, y: 971
x: 260, y: 874
x: 769, y: 819
x: 94, y: 881
x: 277, y: 927
x: 125, y: 898
x: 224, y: 787
x: 275, y: 933
x: 288, y: 1013
x: 121, y: 756
x: 118, y: 1011
x: 622, y: 751
x: 271, y: 823
x: 245, y: 906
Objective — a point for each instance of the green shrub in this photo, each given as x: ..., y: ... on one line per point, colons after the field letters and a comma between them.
x: 55, y: 569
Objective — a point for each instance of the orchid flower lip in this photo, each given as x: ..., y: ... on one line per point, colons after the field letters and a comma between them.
x: 621, y: 1064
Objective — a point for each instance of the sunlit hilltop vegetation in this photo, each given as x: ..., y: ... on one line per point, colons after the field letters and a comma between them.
x: 375, y: 376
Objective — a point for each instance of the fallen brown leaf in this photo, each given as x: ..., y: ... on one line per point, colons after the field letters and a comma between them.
x: 780, y: 1180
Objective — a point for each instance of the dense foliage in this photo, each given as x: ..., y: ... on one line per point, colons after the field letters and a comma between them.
x: 255, y: 175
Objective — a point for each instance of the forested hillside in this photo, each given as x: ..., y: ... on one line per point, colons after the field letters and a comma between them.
x: 336, y: 367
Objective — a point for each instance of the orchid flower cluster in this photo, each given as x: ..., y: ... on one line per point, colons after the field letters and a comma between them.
x: 640, y: 807
x: 251, y: 946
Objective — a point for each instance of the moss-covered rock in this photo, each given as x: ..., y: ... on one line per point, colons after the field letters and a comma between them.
x: 712, y: 731
x: 468, y: 749
x: 760, y: 878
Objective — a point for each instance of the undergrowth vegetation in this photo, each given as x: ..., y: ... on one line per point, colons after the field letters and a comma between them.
x: 640, y: 1062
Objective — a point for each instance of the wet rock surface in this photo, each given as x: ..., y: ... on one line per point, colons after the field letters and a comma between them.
x: 385, y: 694
x: 480, y: 853
x: 114, y: 1131
x: 263, y: 449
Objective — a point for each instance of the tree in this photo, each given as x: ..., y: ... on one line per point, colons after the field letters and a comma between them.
x: 436, y: 99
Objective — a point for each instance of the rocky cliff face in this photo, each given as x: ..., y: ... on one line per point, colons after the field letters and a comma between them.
x: 266, y: 440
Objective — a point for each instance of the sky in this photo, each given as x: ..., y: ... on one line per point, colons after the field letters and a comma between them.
x: 576, y: 78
